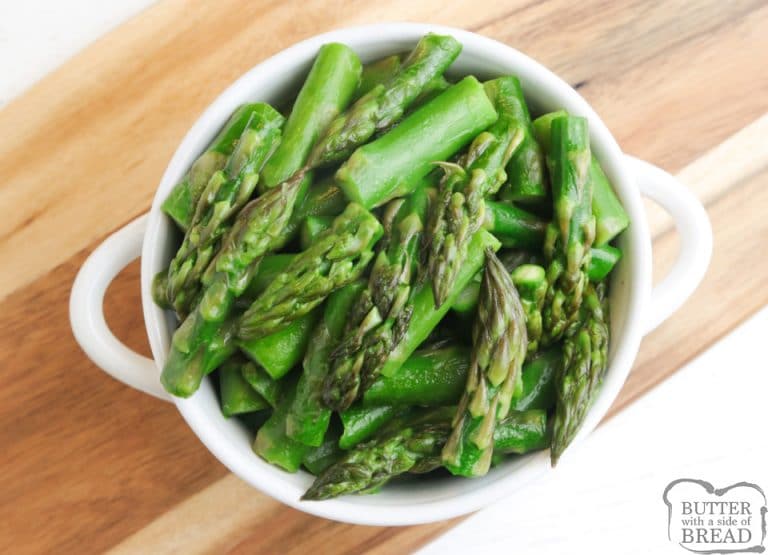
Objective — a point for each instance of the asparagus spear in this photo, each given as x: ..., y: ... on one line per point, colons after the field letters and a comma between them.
x: 383, y: 310
x: 585, y: 359
x: 572, y: 231
x: 413, y: 444
x: 181, y: 202
x: 227, y: 191
x: 602, y: 261
x: 272, y: 443
x: 338, y: 257
x: 308, y: 417
x: 394, y: 164
x: 328, y: 88
x: 385, y: 104
x: 262, y: 383
x: 459, y: 210
x: 312, y: 227
x: 499, y: 347
x: 360, y: 423
x: 237, y: 396
x: 513, y: 226
x: 531, y: 283
x: 377, y: 73
x: 525, y: 170
x: 317, y: 459
x: 610, y: 216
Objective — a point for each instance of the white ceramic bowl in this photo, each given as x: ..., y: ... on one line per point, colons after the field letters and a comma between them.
x: 635, y: 308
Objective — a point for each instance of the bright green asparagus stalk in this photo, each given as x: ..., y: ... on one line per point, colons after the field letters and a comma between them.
x: 412, y: 443
x: 459, y: 210
x: 256, y: 231
x: 227, y: 191
x: 383, y: 306
x: 395, y: 163
x: 531, y: 283
x: 181, y: 202
x: 585, y: 359
x: 498, y: 349
x: 385, y: 104
x: 572, y: 230
x: 338, y: 257
x: 378, y: 73
x: 525, y: 171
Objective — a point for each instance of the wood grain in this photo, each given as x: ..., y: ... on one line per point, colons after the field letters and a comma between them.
x: 89, y: 462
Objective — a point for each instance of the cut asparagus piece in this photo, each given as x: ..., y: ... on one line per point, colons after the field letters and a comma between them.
x: 181, y: 202
x: 273, y: 444
x: 585, y: 360
x: 382, y: 312
x: 498, y: 349
x: 237, y: 396
x: 327, y: 90
x: 338, y: 257
x: 308, y: 417
x: 266, y: 386
x: 459, y: 210
x: 377, y: 73
x: 394, y: 164
x: 360, y: 423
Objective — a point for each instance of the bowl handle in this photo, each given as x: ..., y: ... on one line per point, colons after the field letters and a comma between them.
x: 86, y: 312
x: 695, y: 232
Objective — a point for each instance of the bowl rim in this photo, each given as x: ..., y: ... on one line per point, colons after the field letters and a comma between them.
x: 493, y: 486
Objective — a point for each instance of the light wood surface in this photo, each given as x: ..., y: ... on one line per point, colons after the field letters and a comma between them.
x: 88, y: 464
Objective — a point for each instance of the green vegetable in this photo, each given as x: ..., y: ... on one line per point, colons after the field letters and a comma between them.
x: 273, y: 444
x: 513, y: 226
x: 317, y: 459
x: 539, y: 376
x: 266, y: 386
x: 237, y: 396
x: 525, y: 170
x: 338, y: 257
x: 611, y: 218
x: 328, y: 88
x: 382, y: 312
x: 531, y: 283
x: 181, y: 202
x: 377, y: 73
x: 394, y: 164
x: 499, y: 342
x: 430, y: 377
x: 312, y: 227
x: 308, y: 417
x: 269, y: 267
x: 323, y: 199
x: 602, y: 261
x: 426, y: 315
x: 360, y: 423
x: 280, y: 351
x: 224, y: 195
x: 572, y: 230
x: 585, y: 360
x: 413, y: 444
x: 459, y: 210
x: 385, y: 104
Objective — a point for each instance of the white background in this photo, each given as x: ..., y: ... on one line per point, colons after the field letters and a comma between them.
x: 707, y: 421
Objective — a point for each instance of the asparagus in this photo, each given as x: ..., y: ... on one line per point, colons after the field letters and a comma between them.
x: 261, y: 382
x: 312, y: 227
x: 413, y: 444
x: 280, y: 351
x: 272, y: 443
x: 602, y: 261
x: 430, y: 377
x: 525, y: 170
x: 572, y: 231
x: 360, y: 423
x: 378, y: 73
x: 531, y: 283
x: 181, y: 202
x: 338, y: 257
x: 539, y: 375
x: 585, y: 359
x: 394, y: 164
x: 328, y: 88
x: 237, y: 396
x: 513, y: 226
x: 610, y: 216
x: 254, y: 233
x: 499, y: 347
x: 382, y: 312
x: 323, y: 199
x: 308, y: 417
x: 317, y: 459
x: 227, y: 191
x: 459, y: 210
x: 385, y: 104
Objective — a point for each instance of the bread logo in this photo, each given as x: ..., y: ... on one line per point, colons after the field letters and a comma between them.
x: 703, y: 519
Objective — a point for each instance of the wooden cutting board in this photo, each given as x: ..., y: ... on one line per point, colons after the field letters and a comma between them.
x: 88, y: 464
